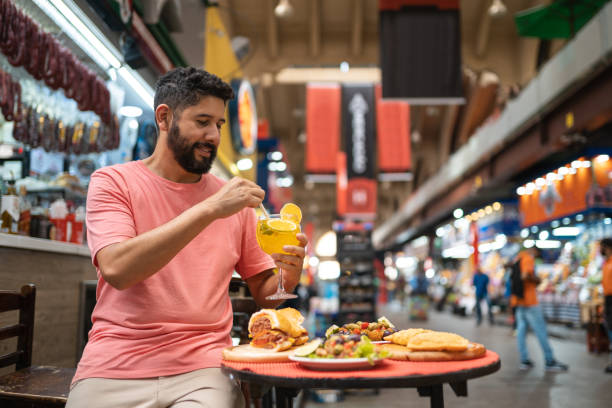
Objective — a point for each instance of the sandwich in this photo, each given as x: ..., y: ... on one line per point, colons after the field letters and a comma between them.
x: 277, y: 330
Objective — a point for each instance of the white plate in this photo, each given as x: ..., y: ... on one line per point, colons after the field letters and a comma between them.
x: 381, y: 342
x: 335, y: 364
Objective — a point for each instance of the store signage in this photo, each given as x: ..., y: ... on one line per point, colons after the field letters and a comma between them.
x: 586, y: 188
x: 322, y: 127
x: 243, y: 118
x: 358, y: 129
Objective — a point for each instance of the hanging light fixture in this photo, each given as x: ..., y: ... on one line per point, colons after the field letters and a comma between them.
x: 497, y: 8
x: 283, y: 9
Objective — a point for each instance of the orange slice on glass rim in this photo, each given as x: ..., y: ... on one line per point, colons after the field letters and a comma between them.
x: 291, y: 212
x: 281, y: 225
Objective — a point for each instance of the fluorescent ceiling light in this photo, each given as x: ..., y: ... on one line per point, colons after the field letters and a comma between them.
x: 138, y: 84
x: 548, y: 244
x: 80, y: 32
x: 326, y: 245
x: 329, y: 270
x: 244, y: 164
x: 69, y: 17
x: 566, y: 231
x: 304, y: 75
x: 130, y: 111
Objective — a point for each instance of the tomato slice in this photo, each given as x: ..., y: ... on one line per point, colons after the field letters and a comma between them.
x: 364, y: 325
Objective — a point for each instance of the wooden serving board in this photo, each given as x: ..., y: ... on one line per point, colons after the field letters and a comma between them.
x: 398, y: 352
x: 248, y: 353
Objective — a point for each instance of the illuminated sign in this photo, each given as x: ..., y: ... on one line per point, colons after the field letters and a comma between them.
x: 243, y: 117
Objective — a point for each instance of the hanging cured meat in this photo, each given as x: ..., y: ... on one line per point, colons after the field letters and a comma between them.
x: 25, y: 44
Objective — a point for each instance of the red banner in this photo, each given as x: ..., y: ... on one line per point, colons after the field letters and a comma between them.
x: 398, y: 4
x: 393, y: 134
x: 322, y: 127
x: 361, y: 198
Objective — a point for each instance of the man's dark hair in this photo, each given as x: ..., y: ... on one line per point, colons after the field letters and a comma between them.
x: 606, y: 242
x: 183, y: 87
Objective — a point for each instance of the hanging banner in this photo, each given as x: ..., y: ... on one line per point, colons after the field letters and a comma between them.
x: 358, y: 127
x: 393, y: 136
x: 420, y: 51
x: 397, y: 4
x: 322, y: 127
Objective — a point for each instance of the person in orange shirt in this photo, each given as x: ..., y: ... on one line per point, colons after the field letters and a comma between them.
x: 606, y: 251
x: 529, y: 313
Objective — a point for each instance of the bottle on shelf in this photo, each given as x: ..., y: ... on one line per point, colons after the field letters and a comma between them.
x: 25, y: 209
x: 9, y: 210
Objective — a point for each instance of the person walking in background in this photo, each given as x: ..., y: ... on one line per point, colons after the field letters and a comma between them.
x: 419, y: 299
x: 508, y: 295
x: 606, y: 251
x: 481, y: 283
x: 529, y: 312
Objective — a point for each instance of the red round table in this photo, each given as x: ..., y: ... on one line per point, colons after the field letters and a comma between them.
x: 427, y: 377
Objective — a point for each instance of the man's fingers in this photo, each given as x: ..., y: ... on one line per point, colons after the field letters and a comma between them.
x: 295, y: 250
x: 288, y: 259
x: 302, y: 238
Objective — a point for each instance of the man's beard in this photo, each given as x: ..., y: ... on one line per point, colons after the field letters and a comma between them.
x: 185, y: 154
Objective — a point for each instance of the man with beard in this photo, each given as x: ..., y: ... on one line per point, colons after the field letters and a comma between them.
x: 165, y: 236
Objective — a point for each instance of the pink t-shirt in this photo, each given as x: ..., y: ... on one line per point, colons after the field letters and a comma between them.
x: 179, y: 319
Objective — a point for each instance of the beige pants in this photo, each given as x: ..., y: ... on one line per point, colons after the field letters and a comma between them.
x: 208, y: 387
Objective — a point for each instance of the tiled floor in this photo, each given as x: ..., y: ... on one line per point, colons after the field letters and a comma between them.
x: 584, y: 386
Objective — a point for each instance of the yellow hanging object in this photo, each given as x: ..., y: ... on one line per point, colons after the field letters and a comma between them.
x: 219, y: 57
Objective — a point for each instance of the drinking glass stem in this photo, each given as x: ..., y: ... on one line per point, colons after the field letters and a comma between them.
x: 281, y: 288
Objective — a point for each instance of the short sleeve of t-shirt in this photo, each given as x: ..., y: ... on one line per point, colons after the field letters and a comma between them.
x: 109, y: 215
x: 253, y: 259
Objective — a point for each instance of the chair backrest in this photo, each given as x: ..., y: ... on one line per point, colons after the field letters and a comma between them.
x: 243, y: 306
x: 242, y: 309
x: 23, y: 301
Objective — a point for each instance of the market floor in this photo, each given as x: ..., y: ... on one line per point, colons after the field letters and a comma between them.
x: 585, y: 385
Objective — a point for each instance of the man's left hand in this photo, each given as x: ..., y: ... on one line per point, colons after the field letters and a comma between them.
x: 293, y: 262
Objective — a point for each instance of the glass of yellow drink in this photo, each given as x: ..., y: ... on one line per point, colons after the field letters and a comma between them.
x: 273, y: 233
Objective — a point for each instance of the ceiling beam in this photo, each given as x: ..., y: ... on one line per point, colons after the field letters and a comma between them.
x: 449, y: 121
x: 230, y: 19
x: 483, y: 33
x: 315, y: 27
x: 357, y: 33
x: 272, y: 26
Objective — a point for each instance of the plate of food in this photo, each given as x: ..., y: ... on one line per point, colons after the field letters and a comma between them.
x: 427, y: 345
x: 375, y: 331
x: 339, y: 352
x: 336, y: 364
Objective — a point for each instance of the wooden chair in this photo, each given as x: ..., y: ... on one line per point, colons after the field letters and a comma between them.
x: 28, y: 386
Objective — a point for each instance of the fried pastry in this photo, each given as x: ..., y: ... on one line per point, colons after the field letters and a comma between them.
x: 437, y: 341
x: 403, y: 336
